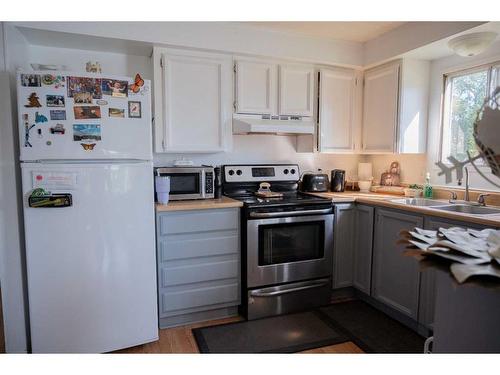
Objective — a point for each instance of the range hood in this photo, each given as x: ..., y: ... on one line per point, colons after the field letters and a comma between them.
x: 272, y: 126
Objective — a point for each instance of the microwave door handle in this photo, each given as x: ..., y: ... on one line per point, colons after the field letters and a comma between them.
x: 290, y: 213
x: 202, y: 185
x: 299, y: 287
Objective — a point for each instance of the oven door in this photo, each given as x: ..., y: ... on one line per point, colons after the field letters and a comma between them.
x: 287, y: 249
x: 186, y: 184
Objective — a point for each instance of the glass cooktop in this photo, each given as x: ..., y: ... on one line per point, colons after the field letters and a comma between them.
x: 288, y: 198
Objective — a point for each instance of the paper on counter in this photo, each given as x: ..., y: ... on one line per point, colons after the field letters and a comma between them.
x: 462, y: 272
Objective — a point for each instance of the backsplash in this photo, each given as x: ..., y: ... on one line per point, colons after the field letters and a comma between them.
x: 259, y: 149
x: 413, y: 166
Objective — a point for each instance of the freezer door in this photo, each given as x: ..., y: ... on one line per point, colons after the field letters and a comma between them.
x: 56, y: 122
x: 91, y: 267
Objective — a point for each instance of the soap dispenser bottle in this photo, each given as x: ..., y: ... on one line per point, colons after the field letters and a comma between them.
x: 427, y: 186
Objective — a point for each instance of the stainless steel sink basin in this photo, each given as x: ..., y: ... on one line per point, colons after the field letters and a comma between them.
x: 466, y: 209
x: 418, y: 202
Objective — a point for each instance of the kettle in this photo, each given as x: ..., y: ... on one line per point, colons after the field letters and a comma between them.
x: 314, y: 182
x: 338, y: 180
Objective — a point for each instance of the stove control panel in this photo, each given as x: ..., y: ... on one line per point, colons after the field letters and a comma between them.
x: 256, y: 173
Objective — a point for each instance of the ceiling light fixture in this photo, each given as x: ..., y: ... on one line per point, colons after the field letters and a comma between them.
x: 472, y: 44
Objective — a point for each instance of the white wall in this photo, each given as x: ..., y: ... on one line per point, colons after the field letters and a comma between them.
x: 75, y: 60
x: 438, y: 69
x: 413, y: 166
x: 217, y: 36
x: 409, y: 36
x: 12, y: 270
x: 251, y: 149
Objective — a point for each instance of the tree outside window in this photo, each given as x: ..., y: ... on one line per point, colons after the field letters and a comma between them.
x: 465, y: 94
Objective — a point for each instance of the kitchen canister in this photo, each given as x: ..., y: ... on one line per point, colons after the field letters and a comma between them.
x: 162, y: 187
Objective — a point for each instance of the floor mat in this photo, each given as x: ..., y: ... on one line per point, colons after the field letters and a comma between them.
x: 280, y: 334
x: 372, y: 330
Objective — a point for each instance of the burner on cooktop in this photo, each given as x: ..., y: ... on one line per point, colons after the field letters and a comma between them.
x: 290, y: 198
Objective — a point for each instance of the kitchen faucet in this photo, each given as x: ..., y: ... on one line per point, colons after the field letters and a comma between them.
x: 466, y: 198
x: 480, y: 199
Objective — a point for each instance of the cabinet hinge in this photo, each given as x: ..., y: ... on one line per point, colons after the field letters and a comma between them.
x: 234, y: 105
x: 234, y: 67
x: 162, y: 62
x: 356, y: 81
x: 163, y: 144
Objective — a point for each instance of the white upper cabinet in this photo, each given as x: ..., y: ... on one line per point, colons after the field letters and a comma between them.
x: 255, y: 87
x: 395, y: 103
x: 380, y: 109
x: 414, y: 98
x: 296, y: 90
x: 337, y: 100
x: 192, y: 101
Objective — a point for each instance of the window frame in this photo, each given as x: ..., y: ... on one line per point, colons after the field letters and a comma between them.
x: 446, y: 97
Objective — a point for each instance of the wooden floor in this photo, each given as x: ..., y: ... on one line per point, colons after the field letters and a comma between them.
x: 181, y: 340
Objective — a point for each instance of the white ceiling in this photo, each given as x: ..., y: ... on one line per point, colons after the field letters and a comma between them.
x: 348, y: 31
x: 440, y: 49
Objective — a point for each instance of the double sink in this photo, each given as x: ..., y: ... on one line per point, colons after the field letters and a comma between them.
x: 443, y: 206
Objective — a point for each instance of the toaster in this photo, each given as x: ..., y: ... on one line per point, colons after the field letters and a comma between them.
x: 314, y: 182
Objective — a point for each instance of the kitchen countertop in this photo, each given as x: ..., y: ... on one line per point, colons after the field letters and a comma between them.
x: 201, y: 204
x: 384, y: 200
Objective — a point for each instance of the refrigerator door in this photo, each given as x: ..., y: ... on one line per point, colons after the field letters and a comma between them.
x: 76, y: 116
x: 92, y: 266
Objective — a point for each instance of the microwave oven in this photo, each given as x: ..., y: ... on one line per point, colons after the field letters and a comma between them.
x: 189, y: 182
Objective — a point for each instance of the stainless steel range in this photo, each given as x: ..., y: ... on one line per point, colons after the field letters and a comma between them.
x: 287, y: 240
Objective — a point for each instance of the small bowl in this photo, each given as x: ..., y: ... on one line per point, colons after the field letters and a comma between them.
x: 364, y: 186
x: 412, y: 192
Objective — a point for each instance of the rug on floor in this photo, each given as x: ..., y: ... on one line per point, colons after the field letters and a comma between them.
x: 280, y: 334
x: 372, y: 330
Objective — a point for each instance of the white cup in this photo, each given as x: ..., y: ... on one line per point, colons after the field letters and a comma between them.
x: 162, y: 198
x: 162, y: 187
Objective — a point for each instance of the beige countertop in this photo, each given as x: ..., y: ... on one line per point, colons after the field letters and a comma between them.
x: 384, y: 200
x: 374, y: 199
x: 201, y: 204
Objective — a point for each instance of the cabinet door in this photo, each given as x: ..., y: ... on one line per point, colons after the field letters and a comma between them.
x: 363, y: 243
x: 427, y: 299
x: 380, y: 109
x: 255, y: 87
x: 396, y: 278
x: 336, y: 103
x: 196, y: 102
x: 343, y: 245
x: 296, y: 90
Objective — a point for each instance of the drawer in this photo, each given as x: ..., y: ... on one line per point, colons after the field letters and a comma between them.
x: 172, y: 301
x: 198, y: 221
x: 171, y: 276
x: 198, y: 245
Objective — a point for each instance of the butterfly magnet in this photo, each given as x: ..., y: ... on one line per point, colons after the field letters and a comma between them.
x: 138, y: 83
x: 88, y: 146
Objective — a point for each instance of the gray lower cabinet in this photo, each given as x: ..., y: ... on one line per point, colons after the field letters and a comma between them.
x: 198, y: 255
x: 363, y: 243
x: 428, y: 276
x: 395, y: 278
x: 343, y: 243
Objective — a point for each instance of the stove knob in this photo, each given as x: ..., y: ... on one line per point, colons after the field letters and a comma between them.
x: 285, y: 171
x: 231, y: 172
x: 292, y: 171
x: 239, y: 172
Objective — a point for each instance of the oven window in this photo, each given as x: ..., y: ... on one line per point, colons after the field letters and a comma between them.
x: 292, y: 242
x: 184, y: 183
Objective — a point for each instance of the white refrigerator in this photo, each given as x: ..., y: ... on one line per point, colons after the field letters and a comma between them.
x: 87, y: 177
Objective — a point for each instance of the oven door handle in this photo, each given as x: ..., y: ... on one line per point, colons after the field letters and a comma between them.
x: 289, y: 213
x: 277, y: 291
